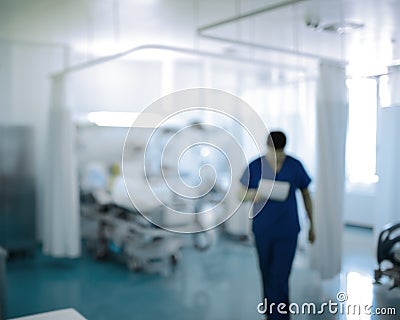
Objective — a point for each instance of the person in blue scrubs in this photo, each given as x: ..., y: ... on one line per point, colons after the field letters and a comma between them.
x: 276, y: 223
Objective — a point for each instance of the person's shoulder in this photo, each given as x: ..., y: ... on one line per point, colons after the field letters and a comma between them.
x: 255, y: 162
x: 294, y: 160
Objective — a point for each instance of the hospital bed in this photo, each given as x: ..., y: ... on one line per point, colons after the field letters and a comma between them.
x: 122, y: 231
x: 113, y: 224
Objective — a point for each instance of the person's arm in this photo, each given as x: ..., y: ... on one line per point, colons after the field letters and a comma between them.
x: 308, y: 205
x: 250, y: 194
x: 248, y: 189
x: 247, y: 194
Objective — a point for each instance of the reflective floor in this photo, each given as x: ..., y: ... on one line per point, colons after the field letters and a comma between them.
x: 221, y: 283
x: 362, y: 299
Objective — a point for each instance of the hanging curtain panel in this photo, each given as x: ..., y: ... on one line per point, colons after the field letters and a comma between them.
x: 61, y: 221
x: 388, y: 158
x: 330, y: 186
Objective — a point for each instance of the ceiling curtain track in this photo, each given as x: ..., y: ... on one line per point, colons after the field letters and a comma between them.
x: 200, y: 53
x: 204, y: 32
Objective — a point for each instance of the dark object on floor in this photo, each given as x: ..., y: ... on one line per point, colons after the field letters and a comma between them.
x: 3, y: 257
x: 389, y: 250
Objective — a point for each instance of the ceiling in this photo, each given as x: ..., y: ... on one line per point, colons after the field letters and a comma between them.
x: 284, y: 31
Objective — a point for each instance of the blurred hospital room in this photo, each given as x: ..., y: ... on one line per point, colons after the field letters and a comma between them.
x: 127, y: 128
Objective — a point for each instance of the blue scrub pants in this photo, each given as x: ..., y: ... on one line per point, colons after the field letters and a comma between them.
x: 276, y: 253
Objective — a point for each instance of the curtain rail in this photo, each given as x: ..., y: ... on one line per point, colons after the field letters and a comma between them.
x: 190, y: 51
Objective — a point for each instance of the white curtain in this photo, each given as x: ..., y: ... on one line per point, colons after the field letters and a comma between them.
x: 61, y: 224
x: 388, y: 159
x: 329, y: 196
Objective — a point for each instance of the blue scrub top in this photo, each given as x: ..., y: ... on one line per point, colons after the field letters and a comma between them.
x: 276, y: 217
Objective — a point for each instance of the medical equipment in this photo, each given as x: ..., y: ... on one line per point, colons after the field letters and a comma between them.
x: 18, y: 189
x: 389, y: 251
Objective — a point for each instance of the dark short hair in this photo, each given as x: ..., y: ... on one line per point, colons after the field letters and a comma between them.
x: 276, y: 139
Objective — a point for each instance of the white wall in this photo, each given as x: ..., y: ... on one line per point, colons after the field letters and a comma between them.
x: 359, y: 207
x: 5, y: 81
x: 122, y: 85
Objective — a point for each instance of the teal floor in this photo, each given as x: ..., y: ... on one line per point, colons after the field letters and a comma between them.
x: 217, y: 284
x: 221, y: 283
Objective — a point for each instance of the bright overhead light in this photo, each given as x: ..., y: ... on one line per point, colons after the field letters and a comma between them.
x: 112, y: 119
x: 101, y: 48
x: 124, y: 119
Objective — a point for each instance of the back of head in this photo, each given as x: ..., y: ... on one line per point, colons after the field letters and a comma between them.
x: 277, y: 140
